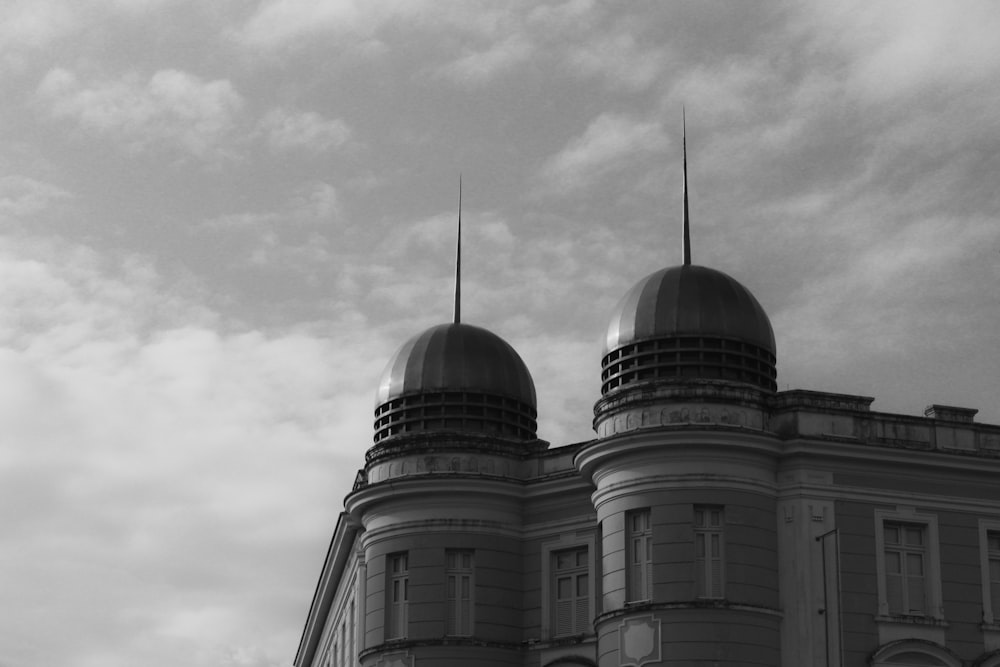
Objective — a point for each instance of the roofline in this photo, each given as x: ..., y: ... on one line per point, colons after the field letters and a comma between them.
x: 337, y: 556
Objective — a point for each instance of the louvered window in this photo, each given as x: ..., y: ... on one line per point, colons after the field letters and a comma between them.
x: 399, y: 595
x: 639, y: 551
x: 571, y: 588
x: 993, y: 557
x: 459, y: 592
x: 708, y: 525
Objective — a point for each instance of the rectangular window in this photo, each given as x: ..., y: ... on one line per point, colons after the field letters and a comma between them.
x: 908, y: 564
x: 398, y: 593
x: 639, y: 551
x: 708, y: 524
x: 571, y: 592
x: 351, y: 656
x: 993, y: 570
x: 905, y: 567
x: 459, y: 592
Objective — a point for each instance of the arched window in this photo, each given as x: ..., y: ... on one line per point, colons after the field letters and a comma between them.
x: 914, y: 653
x: 991, y: 659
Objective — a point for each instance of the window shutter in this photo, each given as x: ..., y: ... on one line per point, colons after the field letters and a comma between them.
x: 564, y: 617
x: 465, y: 608
x: 994, y: 545
x: 582, y: 614
x: 716, y: 572
x: 648, y: 578
x: 894, y: 592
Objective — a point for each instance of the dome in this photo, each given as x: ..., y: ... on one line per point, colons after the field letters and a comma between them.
x: 456, y: 377
x: 688, y: 322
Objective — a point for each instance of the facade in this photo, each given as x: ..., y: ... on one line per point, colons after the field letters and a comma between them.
x: 712, y: 521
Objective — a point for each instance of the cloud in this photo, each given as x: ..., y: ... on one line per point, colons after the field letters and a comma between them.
x: 31, y: 26
x: 21, y: 196
x: 153, y: 451
x: 285, y: 130
x: 281, y: 22
x: 291, y: 239
x: 171, y: 110
x: 481, y: 66
x: 611, y: 143
x: 898, y: 49
x: 618, y: 60
x: 309, y: 204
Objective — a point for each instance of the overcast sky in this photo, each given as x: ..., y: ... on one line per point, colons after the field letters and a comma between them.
x: 219, y: 219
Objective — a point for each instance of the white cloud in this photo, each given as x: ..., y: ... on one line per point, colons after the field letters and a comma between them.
x: 286, y: 130
x: 310, y: 204
x: 30, y: 26
x: 481, y: 66
x: 612, y: 142
x: 21, y: 196
x: 280, y: 22
x: 901, y: 48
x: 153, y: 453
x: 619, y: 60
x: 172, y: 109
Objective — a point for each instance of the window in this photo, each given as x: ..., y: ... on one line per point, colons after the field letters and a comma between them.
x: 459, y: 592
x: 571, y: 588
x: 399, y: 595
x: 993, y: 556
x: 708, y: 551
x: 908, y: 566
x: 989, y: 550
x: 639, y: 551
x: 905, y: 547
x: 351, y: 634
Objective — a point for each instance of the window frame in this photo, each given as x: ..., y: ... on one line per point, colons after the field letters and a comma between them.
x: 639, y: 559
x: 991, y: 606
x: 397, y: 627
x: 563, y: 543
x: 454, y: 613
x: 574, y: 572
x: 704, y: 580
x: 932, y: 567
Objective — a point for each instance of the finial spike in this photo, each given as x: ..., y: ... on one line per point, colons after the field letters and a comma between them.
x: 458, y: 258
x: 687, y: 217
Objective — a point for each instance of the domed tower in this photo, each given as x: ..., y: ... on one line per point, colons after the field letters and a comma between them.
x: 456, y: 378
x: 684, y: 471
x: 440, y: 498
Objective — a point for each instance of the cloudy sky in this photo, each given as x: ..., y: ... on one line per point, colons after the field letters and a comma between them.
x: 219, y: 219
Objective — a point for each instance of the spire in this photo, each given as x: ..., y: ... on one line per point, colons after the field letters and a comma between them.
x: 458, y: 258
x: 687, y: 218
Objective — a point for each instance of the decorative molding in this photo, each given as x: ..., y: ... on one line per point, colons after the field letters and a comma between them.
x: 677, y: 414
x: 639, y: 641
x: 894, y: 653
x: 396, y: 659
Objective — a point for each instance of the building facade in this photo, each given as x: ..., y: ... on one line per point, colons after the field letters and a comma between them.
x: 712, y: 521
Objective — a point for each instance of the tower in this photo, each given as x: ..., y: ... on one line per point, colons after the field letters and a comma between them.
x: 441, y: 504
x: 684, y: 473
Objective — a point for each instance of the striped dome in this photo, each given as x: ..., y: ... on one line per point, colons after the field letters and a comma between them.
x: 689, y: 322
x: 456, y: 377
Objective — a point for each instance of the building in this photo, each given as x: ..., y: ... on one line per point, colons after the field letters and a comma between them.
x: 713, y: 521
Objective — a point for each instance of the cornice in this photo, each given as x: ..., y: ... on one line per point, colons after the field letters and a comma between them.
x: 709, y: 440
x: 445, y: 484
x: 337, y: 556
x: 901, y: 455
